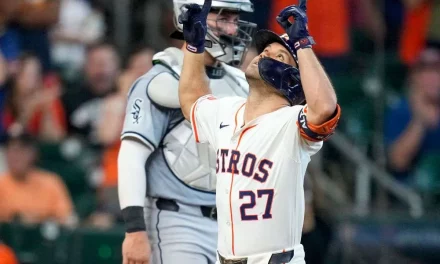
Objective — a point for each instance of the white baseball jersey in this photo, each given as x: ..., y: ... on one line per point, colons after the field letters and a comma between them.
x: 260, y: 174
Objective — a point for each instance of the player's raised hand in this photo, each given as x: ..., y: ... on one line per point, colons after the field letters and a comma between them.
x: 297, y: 31
x: 194, y: 25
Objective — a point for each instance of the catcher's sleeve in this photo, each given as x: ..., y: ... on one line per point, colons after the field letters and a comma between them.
x: 132, y: 181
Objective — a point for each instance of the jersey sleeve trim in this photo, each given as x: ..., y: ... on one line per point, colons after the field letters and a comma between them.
x: 316, y: 133
x: 193, y: 114
x: 193, y: 122
x: 142, y: 138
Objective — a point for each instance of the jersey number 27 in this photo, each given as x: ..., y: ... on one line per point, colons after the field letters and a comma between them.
x: 252, y: 203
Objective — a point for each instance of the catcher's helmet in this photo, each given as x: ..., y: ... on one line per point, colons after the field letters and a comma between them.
x: 283, y: 77
x: 229, y: 49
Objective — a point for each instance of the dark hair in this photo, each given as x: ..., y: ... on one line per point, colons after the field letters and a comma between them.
x: 11, y: 92
x: 28, y: 55
x: 22, y: 137
x: 103, y: 44
x: 139, y: 49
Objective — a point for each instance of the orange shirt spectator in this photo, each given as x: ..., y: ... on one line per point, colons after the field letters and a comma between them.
x: 110, y: 165
x: 330, y: 27
x: 7, y: 256
x: 27, y: 192
x: 40, y: 197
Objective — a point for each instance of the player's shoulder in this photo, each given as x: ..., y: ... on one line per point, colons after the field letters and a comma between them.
x: 232, y: 100
x: 222, y: 103
x: 159, y: 85
x: 163, y: 87
x: 171, y: 58
x: 230, y: 103
x: 163, y: 90
x: 291, y: 112
x: 297, y: 109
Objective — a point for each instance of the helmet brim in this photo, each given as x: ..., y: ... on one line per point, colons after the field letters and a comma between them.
x: 265, y: 37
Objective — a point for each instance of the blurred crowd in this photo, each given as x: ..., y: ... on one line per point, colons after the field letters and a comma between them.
x: 63, y: 85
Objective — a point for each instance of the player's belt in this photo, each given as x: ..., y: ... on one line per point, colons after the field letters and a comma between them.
x: 170, y: 205
x: 277, y: 258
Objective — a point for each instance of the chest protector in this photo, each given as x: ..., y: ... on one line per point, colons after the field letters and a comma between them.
x: 192, y: 163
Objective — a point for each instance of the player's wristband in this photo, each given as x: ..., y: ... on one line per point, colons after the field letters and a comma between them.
x: 134, y: 219
x: 195, y: 49
x: 305, y: 43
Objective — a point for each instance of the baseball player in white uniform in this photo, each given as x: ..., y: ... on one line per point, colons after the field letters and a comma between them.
x: 264, y: 142
x: 178, y: 180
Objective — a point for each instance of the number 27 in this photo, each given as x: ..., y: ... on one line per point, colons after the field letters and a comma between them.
x: 267, y: 212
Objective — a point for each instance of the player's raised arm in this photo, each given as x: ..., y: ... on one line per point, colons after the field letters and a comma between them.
x: 193, y: 81
x: 318, y: 90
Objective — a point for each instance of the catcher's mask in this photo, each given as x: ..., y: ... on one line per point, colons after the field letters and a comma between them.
x: 283, y: 77
x: 225, y: 47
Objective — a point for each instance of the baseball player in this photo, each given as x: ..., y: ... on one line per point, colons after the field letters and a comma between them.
x: 179, y: 177
x: 264, y: 142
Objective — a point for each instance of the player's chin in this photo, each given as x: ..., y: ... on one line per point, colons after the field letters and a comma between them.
x: 252, y: 72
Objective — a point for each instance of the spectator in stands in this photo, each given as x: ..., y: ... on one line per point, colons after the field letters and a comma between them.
x: 28, y: 193
x: 140, y: 61
x: 412, y: 125
x: 3, y: 71
x: 7, y: 255
x: 420, y: 28
x: 33, y: 103
x: 113, y: 109
x: 83, y: 104
x: 33, y: 21
x: 3, y: 79
x: 79, y: 26
x: 109, y: 131
x: 9, y: 41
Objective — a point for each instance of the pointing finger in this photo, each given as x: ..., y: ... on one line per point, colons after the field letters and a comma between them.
x: 285, y: 23
x: 206, y: 6
x: 303, y: 5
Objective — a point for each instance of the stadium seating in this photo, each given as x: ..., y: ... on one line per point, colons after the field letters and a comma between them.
x: 48, y: 243
x: 72, y: 173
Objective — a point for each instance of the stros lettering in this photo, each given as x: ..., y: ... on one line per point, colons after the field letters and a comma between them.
x: 232, y: 161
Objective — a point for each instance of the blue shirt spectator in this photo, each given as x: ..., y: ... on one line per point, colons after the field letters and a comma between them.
x: 33, y: 20
x: 397, y: 120
x: 412, y: 125
x: 37, y: 42
x: 9, y: 44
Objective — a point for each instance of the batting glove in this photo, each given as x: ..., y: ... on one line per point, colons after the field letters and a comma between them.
x: 298, y: 31
x: 194, y: 25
